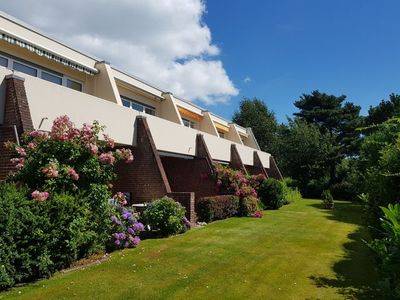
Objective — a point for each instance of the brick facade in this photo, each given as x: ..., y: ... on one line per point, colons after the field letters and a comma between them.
x: 17, y: 120
x: 145, y: 178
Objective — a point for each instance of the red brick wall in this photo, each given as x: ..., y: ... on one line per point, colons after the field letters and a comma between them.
x: 145, y: 178
x: 187, y: 200
x: 16, y: 105
x: 16, y: 113
x: 7, y: 133
x: 188, y: 175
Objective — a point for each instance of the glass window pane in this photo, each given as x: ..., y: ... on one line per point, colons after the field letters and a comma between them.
x: 51, y: 78
x: 74, y: 85
x: 150, y: 111
x: 24, y: 69
x: 3, y: 61
x: 126, y: 103
x: 137, y: 107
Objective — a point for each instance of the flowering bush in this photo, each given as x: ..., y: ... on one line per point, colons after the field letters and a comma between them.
x: 66, y: 159
x: 234, y: 182
x: 126, y: 228
x: 166, y: 216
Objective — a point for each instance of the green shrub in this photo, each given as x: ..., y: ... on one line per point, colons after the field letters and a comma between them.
x: 217, y: 208
x: 271, y: 193
x: 387, y: 251
x: 327, y: 199
x: 165, y: 215
x: 292, y: 195
x: 248, y: 206
x: 39, y: 238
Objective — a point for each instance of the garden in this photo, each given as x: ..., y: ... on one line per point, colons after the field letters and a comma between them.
x: 57, y: 208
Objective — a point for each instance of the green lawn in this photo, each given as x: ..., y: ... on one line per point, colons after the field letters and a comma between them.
x: 298, y: 252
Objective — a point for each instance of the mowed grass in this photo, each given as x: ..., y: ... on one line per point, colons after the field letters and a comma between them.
x: 298, y: 252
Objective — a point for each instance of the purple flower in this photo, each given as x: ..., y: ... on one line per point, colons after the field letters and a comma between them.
x: 136, y: 241
x: 122, y: 236
x: 186, y: 222
x: 117, y: 242
x: 116, y: 236
x: 131, y: 230
x: 115, y: 220
x: 138, y: 227
x: 126, y: 245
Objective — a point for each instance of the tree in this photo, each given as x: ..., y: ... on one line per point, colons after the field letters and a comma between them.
x: 384, y: 110
x: 303, y: 155
x: 254, y: 113
x: 331, y: 116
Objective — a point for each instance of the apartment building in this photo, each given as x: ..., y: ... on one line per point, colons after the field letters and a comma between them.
x: 175, y: 142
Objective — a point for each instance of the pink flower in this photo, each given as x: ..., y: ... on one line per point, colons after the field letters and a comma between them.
x: 72, y: 173
x: 107, y: 158
x: 50, y: 170
x: 219, y: 182
x: 109, y: 141
x: 62, y: 129
x: 19, y: 162
x: 21, y: 151
x: 39, y: 134
x: 93, y: 149
x: 237, y: 193
x: 40, y: 196
x: 31, y: 146
x: 125, y: 154
x: 121, y: 198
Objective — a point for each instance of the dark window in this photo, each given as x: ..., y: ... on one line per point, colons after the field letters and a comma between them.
x: 126, y: 103
x: 3, y: 61
x: 24, y: 69
x: 74, y: 85
x: 52, y: 78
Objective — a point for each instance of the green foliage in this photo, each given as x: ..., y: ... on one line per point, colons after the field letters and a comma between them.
x: 165, y: 215
x: 249, y: 206
x: 327, y: 199
x: 272, y: 193
x: 384, y: 111
x: 291, y: 195
x: 217, y: 208
x: 39, y: 238
x: 387, y: 250
x: 255, y: 114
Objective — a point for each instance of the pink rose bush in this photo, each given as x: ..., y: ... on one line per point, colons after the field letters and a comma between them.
x: 229, y: 181
x: 66, y: 159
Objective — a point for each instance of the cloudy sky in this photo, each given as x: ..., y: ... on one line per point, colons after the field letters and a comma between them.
x: 164, y: 42
x: 215, y: 52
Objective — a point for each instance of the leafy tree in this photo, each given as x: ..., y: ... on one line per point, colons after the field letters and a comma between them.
x: 303, y: 155
x: 254, y: 113
x: 384, y: 110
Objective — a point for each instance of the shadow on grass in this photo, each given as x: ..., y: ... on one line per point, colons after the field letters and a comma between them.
x: 356, y: 276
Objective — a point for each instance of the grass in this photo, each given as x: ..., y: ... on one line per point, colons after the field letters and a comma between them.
x: 298, y: 252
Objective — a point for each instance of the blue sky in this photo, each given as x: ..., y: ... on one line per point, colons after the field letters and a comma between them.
x: 290, y: 47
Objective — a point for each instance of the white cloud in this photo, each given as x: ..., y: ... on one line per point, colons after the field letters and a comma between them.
x: 164, y: 42
x: 247, y: 79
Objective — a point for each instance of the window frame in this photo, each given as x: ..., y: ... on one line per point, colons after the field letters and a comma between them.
x: 191, y: 123
x: 141, y: 104
x: 39, y: 69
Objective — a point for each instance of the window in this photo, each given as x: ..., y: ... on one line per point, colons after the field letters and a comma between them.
x: 74, y: 85
x: 3, y: 61
x: 51, y: 77
x: 138, y: 106
x: 24, y: 69
x: 221, y: 134
x: 188, y: 123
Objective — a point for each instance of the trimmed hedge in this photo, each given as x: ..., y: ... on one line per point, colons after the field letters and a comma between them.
x: 217, y: 207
